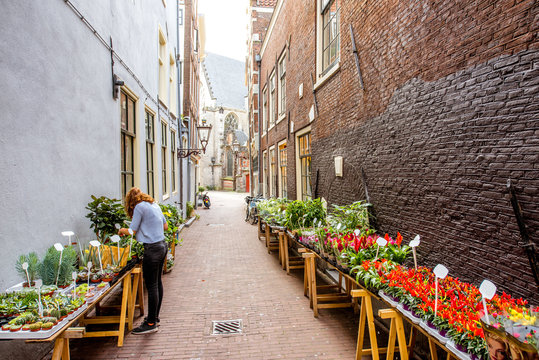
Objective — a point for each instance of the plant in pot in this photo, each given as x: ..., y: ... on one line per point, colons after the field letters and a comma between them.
x: 105, y: 214
x: 33, y: 265
x: 49, y: 271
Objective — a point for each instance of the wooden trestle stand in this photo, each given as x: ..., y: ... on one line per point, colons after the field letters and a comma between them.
x: 132, y: 297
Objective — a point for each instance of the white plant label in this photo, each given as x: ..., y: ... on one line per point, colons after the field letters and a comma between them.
x: 356, y: 232
x: 59, y: 247
x: 379, y: 242
x: 487, y: 290
x: 130, y: 232
x: 69, y: 234
x: 413, y: 244
x: 116, y: 239
x: 441, y: 272
x: 39, y: 283
x: 89, y: 273
x: 25, y: 267
x: 97, y: 244
x: 117, y: 226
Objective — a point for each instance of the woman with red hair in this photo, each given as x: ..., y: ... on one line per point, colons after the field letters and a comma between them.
x: 148, y: 223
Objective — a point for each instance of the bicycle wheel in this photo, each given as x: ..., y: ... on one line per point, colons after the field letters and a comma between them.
x: 253, y: 218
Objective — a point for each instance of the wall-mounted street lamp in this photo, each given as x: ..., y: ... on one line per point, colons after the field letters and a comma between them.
x: 203, y: 132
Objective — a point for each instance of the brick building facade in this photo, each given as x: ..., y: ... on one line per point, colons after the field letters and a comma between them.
x: 441, y: 113
x: 260, y: 12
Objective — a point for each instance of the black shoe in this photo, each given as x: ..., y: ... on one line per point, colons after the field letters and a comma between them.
x: 145, y: 328
x: 157, y: 320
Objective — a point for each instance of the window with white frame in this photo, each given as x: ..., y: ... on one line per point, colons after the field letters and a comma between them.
x: 282, y: 171
x: 303, y: 143
x: 164, y: 158
x: 150, y: 143
x: 265, y: 175
x: 264, y: 110
x: 162, y: 57
x: 173, y: 160
x: 329, y: 34
x: 128, y: 132
x: 282, y: 84
x: 272, y: 99
x: 273, y: 172
x: 173, y: 92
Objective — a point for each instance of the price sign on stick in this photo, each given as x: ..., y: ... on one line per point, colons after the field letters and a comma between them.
x: 413, y: 244
x: 39, y: 283
x: 130, y: 240
x: 356, y: 232
x: 440, y: 272
x: 379, y: 242
x: 116, y: 239
x: 89, y: 273
x: 69, y: 234
x: 97, y: 244
x: 74, y: 277
x: 25, y: 267
x: 487, y: 290
x: 59, y: 247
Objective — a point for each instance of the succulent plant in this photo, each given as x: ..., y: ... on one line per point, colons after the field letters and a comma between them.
x: 35, y: 326
x: 47, y: 326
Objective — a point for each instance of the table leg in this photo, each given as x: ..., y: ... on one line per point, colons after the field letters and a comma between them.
x: 124, y: 309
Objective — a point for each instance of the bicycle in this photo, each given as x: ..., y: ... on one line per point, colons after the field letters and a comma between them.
x: 251, y: 212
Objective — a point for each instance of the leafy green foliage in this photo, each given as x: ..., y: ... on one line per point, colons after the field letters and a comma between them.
x: 273, y: 211
x: 174, y: 220
x: 48, y: 269
x: 189, y: 208
x: 301, y: 214
x: 353, y: 216
x: 33, y: 266
x: 106, y: 216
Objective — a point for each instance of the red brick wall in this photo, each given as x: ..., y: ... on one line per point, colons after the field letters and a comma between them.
x: 449, y: 112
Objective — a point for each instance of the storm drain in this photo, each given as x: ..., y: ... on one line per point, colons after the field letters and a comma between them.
x: 226, y: 327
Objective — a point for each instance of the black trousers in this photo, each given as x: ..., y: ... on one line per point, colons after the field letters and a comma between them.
x: 152, y: 267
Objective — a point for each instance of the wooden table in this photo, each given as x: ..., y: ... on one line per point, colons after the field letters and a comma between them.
x: 366, y: 315
x: 132, y: 297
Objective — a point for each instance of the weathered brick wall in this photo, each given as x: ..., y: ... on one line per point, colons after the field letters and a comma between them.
x: 294, y: 26
x: 450, y: 111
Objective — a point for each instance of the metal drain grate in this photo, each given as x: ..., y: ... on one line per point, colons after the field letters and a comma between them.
x: 226, y: 327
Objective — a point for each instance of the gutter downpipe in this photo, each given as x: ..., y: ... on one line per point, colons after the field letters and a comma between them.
x: 180, y: 125
x: 260, y: 174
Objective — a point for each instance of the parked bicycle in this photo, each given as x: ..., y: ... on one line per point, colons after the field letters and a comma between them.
x: 251, y: 212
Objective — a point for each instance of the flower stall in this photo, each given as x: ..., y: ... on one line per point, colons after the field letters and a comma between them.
x: 456, y: 316
x: 60, y: 291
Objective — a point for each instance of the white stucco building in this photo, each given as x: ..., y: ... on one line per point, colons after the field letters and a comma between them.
x: 222, y: 100
x: 90, y: 106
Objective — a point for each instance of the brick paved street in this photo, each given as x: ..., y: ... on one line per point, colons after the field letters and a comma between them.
x: 223, y: 272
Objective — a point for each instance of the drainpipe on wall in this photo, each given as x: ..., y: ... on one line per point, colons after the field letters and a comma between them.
x: 260, y: 172
x: 178, y: 77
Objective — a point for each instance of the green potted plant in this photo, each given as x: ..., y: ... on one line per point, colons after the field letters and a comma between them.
x: 106, y: 216
x: 49, y: 271
x: 33, y: 265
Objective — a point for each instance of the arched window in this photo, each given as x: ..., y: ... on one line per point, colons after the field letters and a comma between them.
x: 231, y: 123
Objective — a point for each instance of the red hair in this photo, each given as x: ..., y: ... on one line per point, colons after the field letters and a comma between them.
x: 133, y: 197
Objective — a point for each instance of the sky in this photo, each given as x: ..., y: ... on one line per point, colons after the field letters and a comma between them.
x: 226, y: 27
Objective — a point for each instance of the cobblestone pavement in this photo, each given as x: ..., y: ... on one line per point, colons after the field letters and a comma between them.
x: 223, y: 272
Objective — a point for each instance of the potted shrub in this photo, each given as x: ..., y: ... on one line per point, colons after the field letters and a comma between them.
x: 33, y: 265
x: 105, y: 214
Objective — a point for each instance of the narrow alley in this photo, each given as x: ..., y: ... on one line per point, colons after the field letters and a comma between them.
x: 223, y: 272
